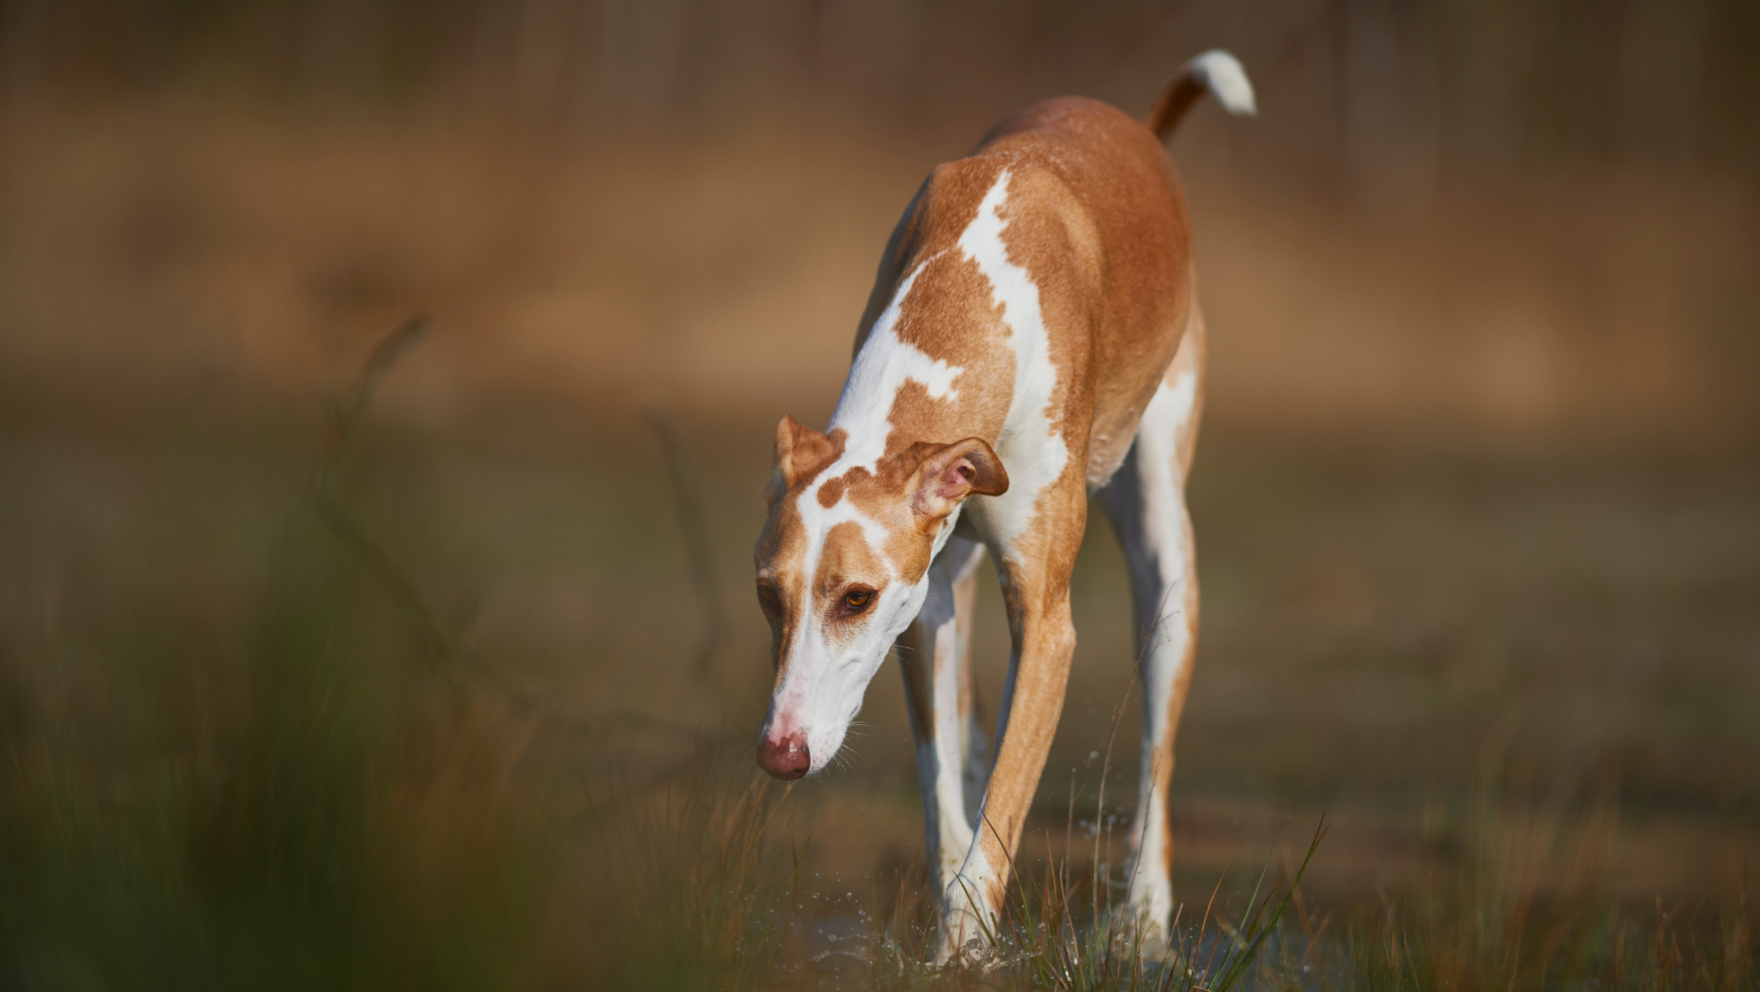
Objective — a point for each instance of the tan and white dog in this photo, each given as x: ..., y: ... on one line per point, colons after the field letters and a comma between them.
x: 1033, y: 338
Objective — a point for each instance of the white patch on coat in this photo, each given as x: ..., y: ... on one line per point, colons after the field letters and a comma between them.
x: 824, y: 680
x: 885, y: 363
x: 1166, y: 420
x: 943, y: 748
x: 1031, y: 451
x: 966, y: 912
x: 947, y: 804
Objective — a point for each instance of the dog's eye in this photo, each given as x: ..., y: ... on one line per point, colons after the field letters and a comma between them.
x: 768, y: 598
x: 857, y: 600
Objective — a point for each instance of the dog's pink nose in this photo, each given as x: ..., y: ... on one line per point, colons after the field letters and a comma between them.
x: 787, y: 758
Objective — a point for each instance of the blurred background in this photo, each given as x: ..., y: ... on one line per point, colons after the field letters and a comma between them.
x: 301, y: 663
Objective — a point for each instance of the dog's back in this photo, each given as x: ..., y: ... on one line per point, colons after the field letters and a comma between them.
x: 1096, y: 217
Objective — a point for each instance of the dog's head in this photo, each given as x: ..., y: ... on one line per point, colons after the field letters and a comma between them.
x: 842, y: 566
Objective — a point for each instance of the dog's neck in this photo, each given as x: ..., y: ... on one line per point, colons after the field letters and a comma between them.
x: 961, y: 348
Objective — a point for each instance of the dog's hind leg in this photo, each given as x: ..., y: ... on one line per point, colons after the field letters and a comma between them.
x: 1146, y: 503
x: 953, y: 752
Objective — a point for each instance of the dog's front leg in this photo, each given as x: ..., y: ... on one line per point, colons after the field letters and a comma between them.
x: 1035, y: 587
x: 952, y: 752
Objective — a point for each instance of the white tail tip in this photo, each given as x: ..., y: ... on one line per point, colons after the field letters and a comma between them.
x: 1222, y: 75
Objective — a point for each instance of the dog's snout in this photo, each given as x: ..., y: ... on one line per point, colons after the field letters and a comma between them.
x: 786, y: 758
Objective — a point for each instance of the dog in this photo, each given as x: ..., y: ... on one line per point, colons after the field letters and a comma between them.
x: 1033, y: 338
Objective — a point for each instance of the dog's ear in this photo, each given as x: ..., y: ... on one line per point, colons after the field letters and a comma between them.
x: 948, y: 473
x: 800, y: 451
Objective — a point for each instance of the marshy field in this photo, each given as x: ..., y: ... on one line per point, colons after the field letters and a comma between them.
x: 387, y: 394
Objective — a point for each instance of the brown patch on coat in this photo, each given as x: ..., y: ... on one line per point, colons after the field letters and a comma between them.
x: 846, y: 559
x: 830, y: 491
x: 801, y: 453
x: 781, y: 548
x: 921, y: 665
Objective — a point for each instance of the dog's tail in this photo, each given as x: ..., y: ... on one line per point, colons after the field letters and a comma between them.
x: 1215, y: 72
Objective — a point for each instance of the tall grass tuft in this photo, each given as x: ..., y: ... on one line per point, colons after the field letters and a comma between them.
x: 700, y: 878
x: 325, y: 800
x: 1526, y: 902
x: 1056, y: 948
